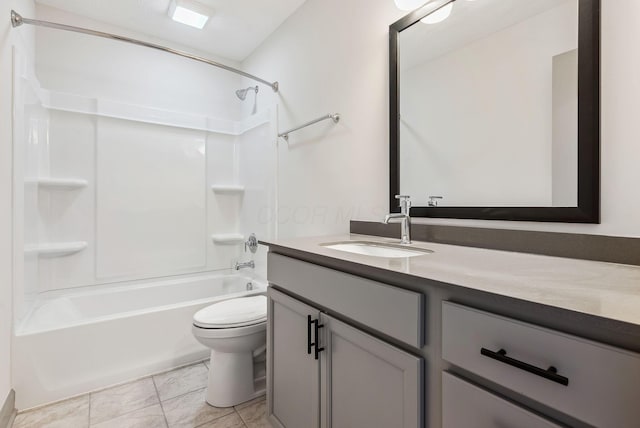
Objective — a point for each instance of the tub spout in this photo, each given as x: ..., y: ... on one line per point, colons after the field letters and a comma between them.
x: 241, y: 265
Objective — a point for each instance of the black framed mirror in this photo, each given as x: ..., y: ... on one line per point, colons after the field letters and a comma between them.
x: 495, y: 107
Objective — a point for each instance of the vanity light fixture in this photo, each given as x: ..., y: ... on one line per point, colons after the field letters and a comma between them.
x: 190, y: 13
x: 409, y: 4
x: 433, y: 18
x: 439, y: 15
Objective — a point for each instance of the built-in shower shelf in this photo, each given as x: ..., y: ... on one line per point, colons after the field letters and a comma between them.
x: 228, y: 239
x: 227, y: 188
x: 58, y: 183
x: 55, y: 249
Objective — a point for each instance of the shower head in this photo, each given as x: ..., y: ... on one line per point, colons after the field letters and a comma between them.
x: 242, y: 93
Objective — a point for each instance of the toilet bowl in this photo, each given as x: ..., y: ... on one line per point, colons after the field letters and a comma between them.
x: 236, y: 332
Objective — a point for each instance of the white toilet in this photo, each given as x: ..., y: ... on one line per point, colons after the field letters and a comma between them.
x: 236, y: 332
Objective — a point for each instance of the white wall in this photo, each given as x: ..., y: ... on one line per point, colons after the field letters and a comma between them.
x: 8, y: 37
x: 332, y: 55
x: 102, y: 68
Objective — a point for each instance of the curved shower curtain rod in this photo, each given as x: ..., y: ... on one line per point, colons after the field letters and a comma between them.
x: 17, y: 20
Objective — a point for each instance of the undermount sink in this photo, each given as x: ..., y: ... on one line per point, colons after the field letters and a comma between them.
x: 377, y: 249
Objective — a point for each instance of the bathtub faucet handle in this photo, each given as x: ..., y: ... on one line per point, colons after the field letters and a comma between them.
x: 251, y: 243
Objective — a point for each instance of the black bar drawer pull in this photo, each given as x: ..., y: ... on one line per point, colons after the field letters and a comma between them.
x: 309, y: 343
x: 317, y: 339
x: 551, y: 373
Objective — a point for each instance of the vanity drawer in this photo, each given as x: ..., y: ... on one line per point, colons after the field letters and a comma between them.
x: 466, y: 405
x: 390, y: 310
x: 603, y: 383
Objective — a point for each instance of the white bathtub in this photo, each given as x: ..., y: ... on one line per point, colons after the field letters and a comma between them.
x: 75, y: 342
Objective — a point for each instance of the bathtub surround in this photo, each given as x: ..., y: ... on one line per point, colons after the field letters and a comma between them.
x: 8, y: 410
x: 111, y: 153
x: 100, y: 94
x: 170, y: 399
x: 612, y: 249
x: 8, y: 41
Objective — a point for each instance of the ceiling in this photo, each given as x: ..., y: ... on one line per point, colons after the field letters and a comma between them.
x: 234, y: 31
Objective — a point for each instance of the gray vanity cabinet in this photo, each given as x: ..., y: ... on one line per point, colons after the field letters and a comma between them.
x: 589, y: 381
x: 293, y: 372
x: 324, y: 372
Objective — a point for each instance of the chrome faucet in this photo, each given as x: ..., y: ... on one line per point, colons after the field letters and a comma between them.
x: 242, y: 265
x: 405, y: 218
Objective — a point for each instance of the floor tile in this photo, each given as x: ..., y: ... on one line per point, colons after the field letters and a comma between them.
x: 191, y: 410
x: 250, y: 402
x: 230, y: 421
x: 255, y: 415
x: 149, y: 417
x: 113, y: 402
x: 181, y: 381
x: 72, y: 413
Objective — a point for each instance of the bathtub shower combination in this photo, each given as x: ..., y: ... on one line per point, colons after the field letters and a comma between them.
x: 135, y: 191
x: 80, y: 341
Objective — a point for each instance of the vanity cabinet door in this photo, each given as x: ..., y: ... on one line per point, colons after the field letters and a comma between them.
x: 293, y: 373
x: 366, y: 382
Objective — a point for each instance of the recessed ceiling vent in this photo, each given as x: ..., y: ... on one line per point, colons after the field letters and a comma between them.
x: 190, y: 13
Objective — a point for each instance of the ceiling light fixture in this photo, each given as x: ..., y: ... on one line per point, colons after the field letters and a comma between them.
x: 190, y: 13
x: 439, y: 15
x: 409, y: 4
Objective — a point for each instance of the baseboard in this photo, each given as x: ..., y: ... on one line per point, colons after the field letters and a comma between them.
x: 8, y: 412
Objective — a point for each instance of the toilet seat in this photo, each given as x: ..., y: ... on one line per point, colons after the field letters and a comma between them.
x: 225, y: 333
x: 233, y: 314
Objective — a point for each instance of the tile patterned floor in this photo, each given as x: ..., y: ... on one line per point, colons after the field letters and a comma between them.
x: 173, y: 399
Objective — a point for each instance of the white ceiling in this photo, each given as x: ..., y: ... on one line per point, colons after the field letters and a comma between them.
x: 234, y: 31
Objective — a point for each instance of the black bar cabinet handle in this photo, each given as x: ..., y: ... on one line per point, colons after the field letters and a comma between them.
x: 309, y: 343
x: 551, y: 373
x: 317, y: 341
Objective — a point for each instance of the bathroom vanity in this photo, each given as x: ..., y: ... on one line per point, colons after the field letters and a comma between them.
x: 456, y: 337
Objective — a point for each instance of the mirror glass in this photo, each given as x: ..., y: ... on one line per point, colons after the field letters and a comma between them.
x: 488, y: 105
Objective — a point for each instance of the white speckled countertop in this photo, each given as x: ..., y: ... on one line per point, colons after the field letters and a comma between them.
x: 601, y: 289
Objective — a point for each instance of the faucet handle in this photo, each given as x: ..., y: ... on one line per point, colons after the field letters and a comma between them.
x: 433, y: 200
x: 251, y: 244
x: 405, y: 203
